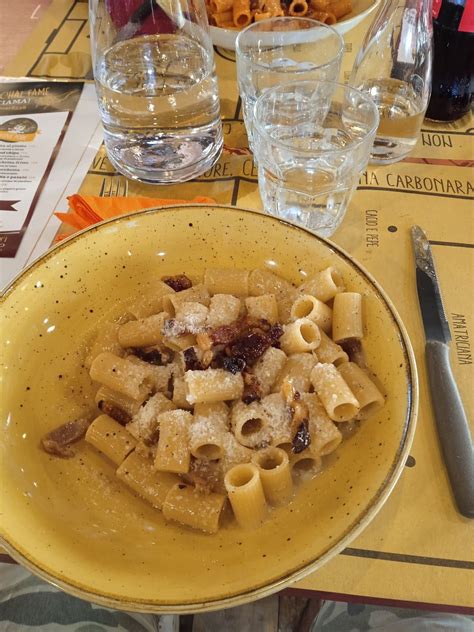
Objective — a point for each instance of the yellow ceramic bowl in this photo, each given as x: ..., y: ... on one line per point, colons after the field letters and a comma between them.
x: 73, y: 523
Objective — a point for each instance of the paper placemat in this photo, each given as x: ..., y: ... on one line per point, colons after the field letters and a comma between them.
x: 418, y: 548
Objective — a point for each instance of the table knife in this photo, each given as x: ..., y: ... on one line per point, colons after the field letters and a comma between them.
x: 451, y: 421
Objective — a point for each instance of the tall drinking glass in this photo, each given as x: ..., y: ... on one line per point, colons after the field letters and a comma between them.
x: 156, y: 86
x: 281, y: 50
x: 312, y: 141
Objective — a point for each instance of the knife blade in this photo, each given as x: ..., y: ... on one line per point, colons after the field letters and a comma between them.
x: 450, y: 416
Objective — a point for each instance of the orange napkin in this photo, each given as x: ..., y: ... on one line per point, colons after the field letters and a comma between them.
x: 85, y: 210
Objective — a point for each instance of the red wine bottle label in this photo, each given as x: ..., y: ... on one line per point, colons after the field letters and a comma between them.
x: 466, y: 25
x: 436, y: 7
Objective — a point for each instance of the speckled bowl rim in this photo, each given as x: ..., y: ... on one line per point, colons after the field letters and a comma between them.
x: 379, y: 499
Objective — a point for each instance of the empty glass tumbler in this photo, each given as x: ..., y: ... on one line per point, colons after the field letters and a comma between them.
x: 312, y: 141
x: 281, y: 50
x: 156, y: 86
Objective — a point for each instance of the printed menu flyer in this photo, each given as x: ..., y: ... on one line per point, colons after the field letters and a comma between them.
x: 39, y: 151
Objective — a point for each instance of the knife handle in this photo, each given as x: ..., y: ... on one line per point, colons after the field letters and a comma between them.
x: 453, y: 429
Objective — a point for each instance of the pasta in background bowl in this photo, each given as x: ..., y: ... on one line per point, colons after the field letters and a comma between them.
x: 72, y: 522
x: 225, y: 37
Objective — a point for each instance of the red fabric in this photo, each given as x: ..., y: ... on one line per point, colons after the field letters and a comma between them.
x: 157, y: 22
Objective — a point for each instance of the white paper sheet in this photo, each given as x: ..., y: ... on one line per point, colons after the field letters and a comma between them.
x: 77, y: 149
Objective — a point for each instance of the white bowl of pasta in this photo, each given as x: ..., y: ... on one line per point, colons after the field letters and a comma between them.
x: 203, y: 405
x: 357, y: 10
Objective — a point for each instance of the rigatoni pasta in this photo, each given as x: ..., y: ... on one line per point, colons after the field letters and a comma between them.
x: 206, y: 440
x: 120, y: 375
x: 214, y: 413
x: 340, y: 8
x: 143, y: 332
x: 268, y: 367
x: 275, y: 474
x: 151, y: 301
x: 232, y: 390
x: 263, y: 282
x: 326, y: 17
x: 305, y: 464
x: 249, y: 424
x: 106, y: 341
x: 347, y: 317
x: 191, y: 316
x: 325, y: 436
x: 336, y: 396
x: 224, y: 309
x: 234, y: 453
x: 298, y: 8
x: 173, y: 453
x: 197, y: 293
x: 279, y: 420
x: 237, y: 14
x: 220, y: 280
x: 224, y: 19
x: 273, y: 8
x: 301, y: 335
x: 198, y: 511
x: 367, y: 393
x: 180, y: 394
x: 213, y: 385
x: 176, y: 341
x: 297, y: 370
x: 264, y: 306
x: 245, y: 491
x: 138, y: 473
x: 144, y: 425
x: 307, y: 306
x: 156, y: 377
x: 330, y: 351
x: 108, y: 399
x: 110, y: 438
x: 220, y: 6
x: 326, y: 284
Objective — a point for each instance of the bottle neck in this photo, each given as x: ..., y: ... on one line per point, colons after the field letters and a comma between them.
x: 426, y: 10
x: 449, y: 13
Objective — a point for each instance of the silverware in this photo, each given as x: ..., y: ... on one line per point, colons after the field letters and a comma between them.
x: 451, y: 420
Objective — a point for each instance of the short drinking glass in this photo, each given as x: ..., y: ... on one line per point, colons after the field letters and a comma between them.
x: 312, y: 141
x: 281, y: 50
x: 156, y: 86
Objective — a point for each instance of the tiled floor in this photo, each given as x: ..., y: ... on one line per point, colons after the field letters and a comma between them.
x: 17, y: 20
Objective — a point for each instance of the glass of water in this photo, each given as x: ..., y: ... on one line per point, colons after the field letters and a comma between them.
x: 156, y: 86
x: 280, y: 50
x: 312, y: 141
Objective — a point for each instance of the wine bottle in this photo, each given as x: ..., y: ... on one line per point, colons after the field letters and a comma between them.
x: 453, y: 65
